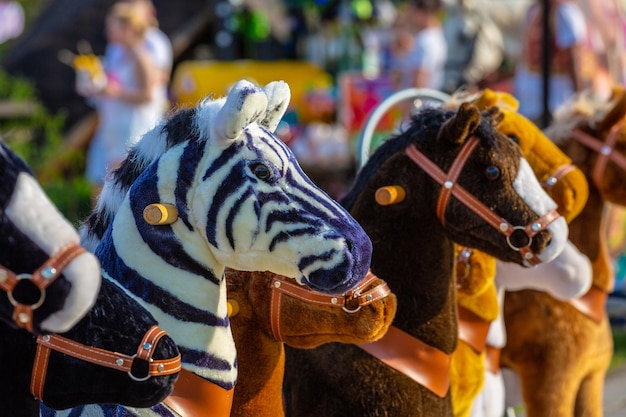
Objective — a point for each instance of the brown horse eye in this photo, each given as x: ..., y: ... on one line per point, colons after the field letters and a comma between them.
x: 261, y: 171
x: 492, y: 172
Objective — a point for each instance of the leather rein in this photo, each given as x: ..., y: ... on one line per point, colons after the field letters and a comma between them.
x: 451, y: 187
x: 42, y: 278
x: 350, y: 302
x: 605, y: 150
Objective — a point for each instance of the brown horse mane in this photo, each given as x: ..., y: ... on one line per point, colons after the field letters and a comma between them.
x: 580, y: 109
x: 423, y: 127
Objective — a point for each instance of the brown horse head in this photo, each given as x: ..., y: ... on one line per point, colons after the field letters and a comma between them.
x: 565, y: 183
x: 593, y: 134
x: 307, y: 323
x: 494, y: 173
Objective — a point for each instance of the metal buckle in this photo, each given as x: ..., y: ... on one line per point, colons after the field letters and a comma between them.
x: 42, y: 293
x: 138, y: 379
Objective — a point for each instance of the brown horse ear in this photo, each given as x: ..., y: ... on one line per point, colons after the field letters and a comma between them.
x: 496, y: 115
x: 616, y: 113
x: 461, y: 125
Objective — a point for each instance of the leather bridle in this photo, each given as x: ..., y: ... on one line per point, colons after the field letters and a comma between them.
x: 42, y: 278
x: 114, y: 360
x: 451, y: 187
x: 556, y: 176
x: 605, y: 151
x: 350, y: 302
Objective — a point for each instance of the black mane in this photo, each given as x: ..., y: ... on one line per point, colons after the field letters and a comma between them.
x: 423, y: 127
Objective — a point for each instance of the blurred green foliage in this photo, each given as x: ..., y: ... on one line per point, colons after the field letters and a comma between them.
x: 37, y: 136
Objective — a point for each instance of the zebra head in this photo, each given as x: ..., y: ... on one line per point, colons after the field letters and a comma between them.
x: 242, y: 199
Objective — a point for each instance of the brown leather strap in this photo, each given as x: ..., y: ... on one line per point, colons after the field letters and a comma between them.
x: 350, y: 302
x: 531, y: 231
x: 592, y: 303
x: 605, y: 151
x: 424, y: 364
x: 493, y: 359
x: 40, y: 368
x: 45, y: 275
x: 472, y: 329
x: 479, y: 208
x: 556, y: 176
x: 453, y: 174
x: 195, y: 396
x: 97, y: 356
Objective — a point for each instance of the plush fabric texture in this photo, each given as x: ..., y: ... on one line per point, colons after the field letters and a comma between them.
x: 414, y: 253
x: 570, y: 193
x: 33, y: 230
x: 303, y: 325
x: 562, y: 361
x: 242, y: 202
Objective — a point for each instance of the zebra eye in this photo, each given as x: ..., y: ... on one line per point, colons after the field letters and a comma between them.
x: 261, y: 171
x: 492, y: 172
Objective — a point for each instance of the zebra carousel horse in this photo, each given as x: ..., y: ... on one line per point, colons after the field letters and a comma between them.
x: 232, y: 195
x: 448, y: 177
x: 78, y: 366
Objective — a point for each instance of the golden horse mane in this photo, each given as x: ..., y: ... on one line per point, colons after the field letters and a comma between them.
x: 582, y: 108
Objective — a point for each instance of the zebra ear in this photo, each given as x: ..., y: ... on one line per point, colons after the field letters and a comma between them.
x: 278, y: 95
x: 244, y: 104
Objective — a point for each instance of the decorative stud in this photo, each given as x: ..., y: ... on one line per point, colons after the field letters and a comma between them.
x: 333, y: 300
x: 535, y: 227
x: 147, y: 346
x: 23, y: 318
x: 390, y: 194
x: 119, y: 362
x: 551, y: 181
x: 48, y: 272
x: 606, y: 150
x: 45, y: 337
x: 448, y: 184
x: 158, y: 214
x: 277, y: 284
x: 368, y: 297
x: 528, y: 255
x: 160, y: 368
x: 504, y: 227
x: 3, y: 275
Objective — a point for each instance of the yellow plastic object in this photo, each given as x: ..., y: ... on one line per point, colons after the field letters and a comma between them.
x: 193, y: 80
x: 391, y: 194
x: 159, y: 214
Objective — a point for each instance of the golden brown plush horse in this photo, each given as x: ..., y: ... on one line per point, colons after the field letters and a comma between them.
x: 413, y: 251
x: 267, y: 318
x: 476, y: 291
x: 561, y: 350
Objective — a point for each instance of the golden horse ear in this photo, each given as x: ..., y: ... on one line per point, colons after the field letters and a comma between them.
x: 616, y: 113
x: 460, y: 126
x: 489, y: 98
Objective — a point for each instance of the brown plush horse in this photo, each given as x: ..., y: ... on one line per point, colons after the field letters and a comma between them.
x: 304, y: 319
x: 476, y: 295
x: 412, y: 226
x: 561, y: 350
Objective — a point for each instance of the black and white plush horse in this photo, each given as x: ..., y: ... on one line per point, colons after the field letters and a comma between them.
x: 49, y: 281
x: 32, y: 231
x: 237, y: 198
